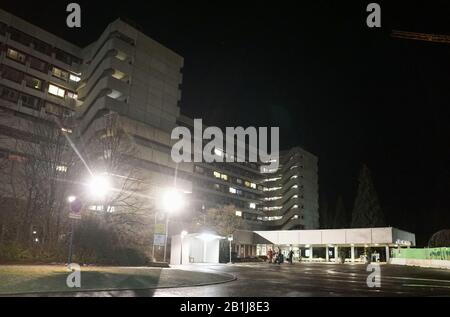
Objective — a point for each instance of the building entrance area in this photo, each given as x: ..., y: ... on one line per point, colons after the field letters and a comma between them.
x: 352, y: 254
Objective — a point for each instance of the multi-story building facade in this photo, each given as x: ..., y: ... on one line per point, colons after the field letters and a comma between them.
x: 124, y: 71
x: 43, y: 77
x: 284, y: 199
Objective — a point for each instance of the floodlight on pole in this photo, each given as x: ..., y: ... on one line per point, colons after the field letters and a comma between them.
x: 182, y: 235
x: 172, y: 200
x: 99, y: 186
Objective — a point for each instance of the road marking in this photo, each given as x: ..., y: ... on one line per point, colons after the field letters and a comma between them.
x: 417, y: 279
x: 429, y: 286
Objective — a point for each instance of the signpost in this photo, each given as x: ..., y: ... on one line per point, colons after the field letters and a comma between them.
x: 159, y: 233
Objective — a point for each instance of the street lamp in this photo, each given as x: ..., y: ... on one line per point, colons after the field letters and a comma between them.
x: 230, y: 239
x: 182, y: 235
x: 172, y: 200
x: 75, y: 208
x: 98, y: 186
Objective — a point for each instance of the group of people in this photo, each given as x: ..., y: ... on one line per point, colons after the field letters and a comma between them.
x: 278, y: 257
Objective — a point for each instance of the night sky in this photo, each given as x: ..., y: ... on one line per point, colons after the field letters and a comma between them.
x: 347, y: 93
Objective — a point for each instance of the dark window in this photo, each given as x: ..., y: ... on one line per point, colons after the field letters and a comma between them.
x: 123, y: 37
x: 20, y: 37
x: 3, y: 28
x: 30, y: 102
x: 9, y: 94
x: 39, y: 65
x: 67, y: 58
x: 42, y: 47
x: 54, y: 109
x: 12, y: 74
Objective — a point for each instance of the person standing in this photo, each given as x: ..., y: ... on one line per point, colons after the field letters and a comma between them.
x: 270, y: 255
x: 291, y: 256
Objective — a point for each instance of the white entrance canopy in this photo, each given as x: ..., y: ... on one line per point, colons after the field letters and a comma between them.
x: 343, y: 237
x: 195, y: 248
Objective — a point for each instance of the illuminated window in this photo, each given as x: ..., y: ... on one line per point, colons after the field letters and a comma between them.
x: 33, y: 82
x: 118, y: 74
x: 272, y: 179
x: 66, y: 130
x: 271, y: 189
x: 232, y: 190
x: 96, y: 208
x: 253, y: 185
x: 15, y: 55
x: 61, y: 168
x: 247, y: 184
x: 224, y: 177
x: 272, y: 208
x: 72, y: 95
x: 238, y: 213
x: 54, y: 90
x: 216, y: 174
x: 121, y: 55
x: 74, y: 78
x: 61, y: 74
x: 252, y: 206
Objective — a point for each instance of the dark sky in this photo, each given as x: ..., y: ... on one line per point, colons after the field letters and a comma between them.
x: 347, y: 93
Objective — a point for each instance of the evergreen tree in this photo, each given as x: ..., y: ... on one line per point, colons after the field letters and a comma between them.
x: 324, y: 214
x: 340, y: 215
x: 367, y: 211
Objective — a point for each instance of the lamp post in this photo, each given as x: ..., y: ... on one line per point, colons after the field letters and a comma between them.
x: 75, y: 208
x: 230, y: 239
x: 182, y: 235
x: 172, y: 200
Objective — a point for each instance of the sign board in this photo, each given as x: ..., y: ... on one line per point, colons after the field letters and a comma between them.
x: 74, y: 215
x: 160, y: 228
x: 159, y: 240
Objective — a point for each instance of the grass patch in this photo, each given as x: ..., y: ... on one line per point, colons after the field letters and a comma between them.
x: 44, y: 279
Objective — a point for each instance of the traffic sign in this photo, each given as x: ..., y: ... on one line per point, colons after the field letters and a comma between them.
x: 160, y: 228
x: 76, y: 216
x: 159, y: 240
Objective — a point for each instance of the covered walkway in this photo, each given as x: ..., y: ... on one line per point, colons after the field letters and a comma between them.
x: 325, y: 245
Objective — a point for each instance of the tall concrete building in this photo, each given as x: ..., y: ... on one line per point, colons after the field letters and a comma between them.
x: 283, y: 199
x: 124, y: 71
x: 43, y: 77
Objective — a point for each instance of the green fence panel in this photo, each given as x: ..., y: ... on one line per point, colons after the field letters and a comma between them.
x: 422, y: 254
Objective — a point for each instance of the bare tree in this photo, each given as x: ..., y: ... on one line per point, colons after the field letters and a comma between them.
x: 47, y: 179
x: 223, y: 221
x: 111, y: 151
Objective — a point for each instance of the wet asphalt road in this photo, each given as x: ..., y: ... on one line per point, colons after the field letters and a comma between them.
x: 305, y: 279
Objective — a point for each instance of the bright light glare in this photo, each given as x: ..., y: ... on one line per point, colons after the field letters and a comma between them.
x: 172, y: 200
x: 71, y: 199
x: 99, y: 186
x: 184, y: 233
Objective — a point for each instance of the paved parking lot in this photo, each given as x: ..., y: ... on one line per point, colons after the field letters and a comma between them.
x: 306, y: 279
